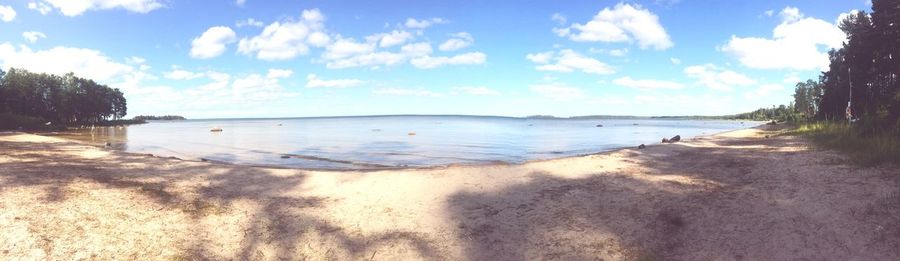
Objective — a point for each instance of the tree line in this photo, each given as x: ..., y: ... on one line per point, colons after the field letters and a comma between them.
x: 158, y: 118
x: 780, y: 113
x: 863, y: 72
x: 61, y: 100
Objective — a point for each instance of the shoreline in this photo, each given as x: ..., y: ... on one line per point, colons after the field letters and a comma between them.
x: 732, y: 195
x: 58, y: 135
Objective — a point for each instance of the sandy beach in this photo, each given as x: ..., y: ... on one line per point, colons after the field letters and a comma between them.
x: 733, y: 196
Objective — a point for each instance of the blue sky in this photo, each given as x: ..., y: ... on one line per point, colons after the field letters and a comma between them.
x: 253, y: 58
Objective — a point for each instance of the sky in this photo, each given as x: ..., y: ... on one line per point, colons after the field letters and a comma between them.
x: 254, y: 58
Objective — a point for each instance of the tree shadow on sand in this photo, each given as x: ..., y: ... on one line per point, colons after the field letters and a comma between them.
x: 738, y: 200
x: 278, y: 227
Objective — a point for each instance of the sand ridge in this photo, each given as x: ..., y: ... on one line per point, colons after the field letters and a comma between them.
x: 731, y: 196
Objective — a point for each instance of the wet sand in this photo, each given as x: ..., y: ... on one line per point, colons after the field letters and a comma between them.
x: 732, y: 196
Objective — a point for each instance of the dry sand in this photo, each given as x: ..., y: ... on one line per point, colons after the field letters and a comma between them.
x: 731, y: 196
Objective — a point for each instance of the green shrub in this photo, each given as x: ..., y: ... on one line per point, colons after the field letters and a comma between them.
x: 9, y: 121
x: 865, y: 146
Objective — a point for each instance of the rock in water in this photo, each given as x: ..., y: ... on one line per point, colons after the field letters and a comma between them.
x: 642, y: 146
x: 599, y: 125
x: 665, y: 140
x: 216, y: 129
x: 675, y: 139
x: 285, y: 156
x: 411, y: 134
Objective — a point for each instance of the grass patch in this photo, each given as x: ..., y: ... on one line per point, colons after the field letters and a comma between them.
x: 864, y: 148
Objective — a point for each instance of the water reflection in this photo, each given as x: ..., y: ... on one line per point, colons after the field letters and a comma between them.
x: 115, y: 136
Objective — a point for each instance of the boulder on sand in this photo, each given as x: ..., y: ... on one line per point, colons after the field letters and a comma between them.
x: 675, y: 139
x: 216, y: 129
x: 642, y: 146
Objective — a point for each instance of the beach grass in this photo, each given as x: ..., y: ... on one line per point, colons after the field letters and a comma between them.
x: 866, y: 148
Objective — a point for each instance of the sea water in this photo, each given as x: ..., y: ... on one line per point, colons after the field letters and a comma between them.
x: 393, y: 141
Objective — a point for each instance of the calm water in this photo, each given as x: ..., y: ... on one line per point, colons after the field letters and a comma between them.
x: 366, y: 142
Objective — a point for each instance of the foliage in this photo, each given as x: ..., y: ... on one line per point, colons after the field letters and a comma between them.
x: 864, y: 71
x: 9, y: 121
x: 63, y: 100
x: 158, y: 118
x: 866, y: 150
x: 776, y: 113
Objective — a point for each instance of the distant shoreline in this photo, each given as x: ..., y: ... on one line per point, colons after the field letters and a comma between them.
x: 538, y: 117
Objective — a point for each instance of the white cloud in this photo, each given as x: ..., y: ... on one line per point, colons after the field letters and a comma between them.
x: 348, y: 53
x: 346, y: 47
x: 542, y: 58
x: 255, y: 87
x: 33, y: 36
x: 558, y: 92
x: 769, y: 13
x: 458, y: 41
x: 675, y: 61
x: 798, y: 43
x: 792, y: 79
x: 647, y: 84
x: 618, y: 52
x: 559, y: 18
x: 568, y: 60
x: 313, y: 81
x: 368, y: 60
x: 279, y: 73
x: 249, y: 22
x: 135, y: 60
x: 41, y: 7
x: 416, y: 49
x: 60, y: 60
x: 248, y: 92
x: 378, y: 50
x: 179, y: 74
x: 288, y: 39
x: 212, y: 42
x: 717, y: 78
x: 791, y: 14
x: 622, y: 23
x: 78, y: 7
x: 475, y: 91
x: 429, y: 62
x: 7, y: 13
x: 240, y: 2
x: 763, y: 91
x: 424, y: 23
x: 393, y: 38
x: 406, y: 92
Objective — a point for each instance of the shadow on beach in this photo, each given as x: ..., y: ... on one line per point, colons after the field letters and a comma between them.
x: 714, y: 198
